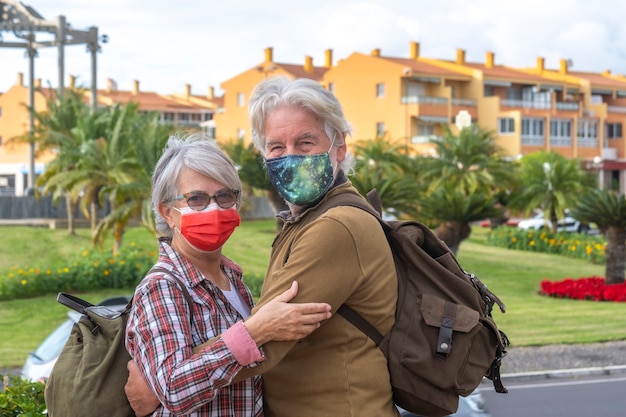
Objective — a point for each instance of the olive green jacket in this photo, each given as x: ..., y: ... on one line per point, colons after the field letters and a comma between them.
x: 340, y: 257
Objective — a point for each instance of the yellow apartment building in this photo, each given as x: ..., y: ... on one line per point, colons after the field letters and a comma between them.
x: 408, y: 99
x: 183, y: 110
x: 233, y: 118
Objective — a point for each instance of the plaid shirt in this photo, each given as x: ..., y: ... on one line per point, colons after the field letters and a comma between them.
x: 160, y: 338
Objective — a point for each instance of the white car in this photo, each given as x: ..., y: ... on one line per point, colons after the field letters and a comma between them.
x: 567, y: 224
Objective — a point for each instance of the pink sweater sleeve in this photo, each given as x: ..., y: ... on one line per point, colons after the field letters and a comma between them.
x: 241, y: 344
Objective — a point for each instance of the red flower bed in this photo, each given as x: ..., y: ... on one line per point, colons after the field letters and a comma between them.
x: 592, y: 288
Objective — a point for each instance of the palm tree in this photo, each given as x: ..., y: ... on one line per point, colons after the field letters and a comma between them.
x: 55, y: 130
x: 116, y: 172
x: 552, y: 183
x: 608, y: 210
x: 465, y: 182
x: 252, y: 172
x: 385, y: 165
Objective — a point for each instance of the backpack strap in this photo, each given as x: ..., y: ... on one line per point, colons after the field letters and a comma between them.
x: 181, y: 285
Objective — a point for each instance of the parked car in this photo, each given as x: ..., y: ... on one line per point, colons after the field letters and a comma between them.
x: 39, y: 363
x: 567, y: 224
x: 471, y: 406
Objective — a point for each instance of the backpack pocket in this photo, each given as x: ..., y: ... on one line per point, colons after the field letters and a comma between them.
x: 453, y: 334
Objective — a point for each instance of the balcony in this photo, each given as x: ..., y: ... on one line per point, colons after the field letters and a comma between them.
x: 616, y: 109
x: 567, y: 106
x: 525, y: 104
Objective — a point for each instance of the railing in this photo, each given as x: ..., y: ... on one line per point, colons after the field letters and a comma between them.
x: 567, y: 105
x: 424, y: 100
x: 616, y: 109
x: 560, y: 141
x: 533, y: 140
x: 585, y: 142
x: 525, y: 104
x: 467, y: 102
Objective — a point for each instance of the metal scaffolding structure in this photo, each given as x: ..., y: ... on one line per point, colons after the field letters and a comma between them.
x: 27, y: 26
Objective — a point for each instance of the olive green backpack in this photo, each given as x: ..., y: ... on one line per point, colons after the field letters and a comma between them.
x: 89, y: 376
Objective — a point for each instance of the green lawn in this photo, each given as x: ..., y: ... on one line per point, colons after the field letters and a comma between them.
x: 512, y: 275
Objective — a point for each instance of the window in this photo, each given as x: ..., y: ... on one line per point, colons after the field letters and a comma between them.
x: 587, y: 133
x: 0, y: 111
x: 380, y: 90
x: 331, y: 87
x: 532, y: 131
x: 380, y: 129
x: 0, y: 140
x: 561, y: 132
x: 506, y: 125
x: 241, y: 99
x: 168, y: 116
x: 241, y: 133
x: 613, y: 130
x: 488, y: 91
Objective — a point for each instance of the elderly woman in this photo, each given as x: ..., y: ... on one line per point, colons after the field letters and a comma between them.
x: 196, y: 195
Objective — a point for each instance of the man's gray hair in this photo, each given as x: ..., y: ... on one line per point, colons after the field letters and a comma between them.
x: 194, y: 151
x: 304, y: 93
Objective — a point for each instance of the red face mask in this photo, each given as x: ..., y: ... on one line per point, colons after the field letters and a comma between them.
x: 209, y: 229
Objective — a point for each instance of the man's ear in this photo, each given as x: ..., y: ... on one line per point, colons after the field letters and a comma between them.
x: 341, y: 150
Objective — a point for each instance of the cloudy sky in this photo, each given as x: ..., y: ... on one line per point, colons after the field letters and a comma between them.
x: 167, y: 44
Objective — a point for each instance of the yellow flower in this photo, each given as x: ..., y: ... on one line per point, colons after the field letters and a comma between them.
x: 513, y: 239
x: 111, y: 261
x: 106, y: 272
x: 531, y: 243
x: 572, y: 248
x: 23, y: 282
x: 588, y: 249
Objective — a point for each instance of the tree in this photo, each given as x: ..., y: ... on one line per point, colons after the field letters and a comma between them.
x: 55, y: 130
x: 465, y: 182
x: 251, y: 168
x: 384, y: 165
x: 552, y: 183
x: 608, y: 210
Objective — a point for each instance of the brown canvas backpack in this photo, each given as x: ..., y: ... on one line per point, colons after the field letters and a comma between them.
x: 444, y: 340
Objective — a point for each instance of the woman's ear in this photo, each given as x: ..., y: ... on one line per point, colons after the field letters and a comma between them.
x: 165, y: 210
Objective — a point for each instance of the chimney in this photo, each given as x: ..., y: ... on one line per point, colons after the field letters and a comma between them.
x: 606, y: 73
x: 187, y: 91
x: 269, y: 55
x: 328, y: 54
x: 72, y: 81
x: 414, y: 50
x: 111, y: 85
x: 135, y: 87
x: 489, y: 59
x: 38, y: 83
x: 460, y: 56
x: 20, y: 79
x: 376, y: 52
x: 308, y: 64
x: 563, y: 66
x: 540, y: 64
x: 211, y: 93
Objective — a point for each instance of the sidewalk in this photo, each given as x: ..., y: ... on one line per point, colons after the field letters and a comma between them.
x: 564, y: 361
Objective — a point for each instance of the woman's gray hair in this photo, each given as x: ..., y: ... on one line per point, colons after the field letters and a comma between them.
x: 194, y: 151
x: 307, y: 94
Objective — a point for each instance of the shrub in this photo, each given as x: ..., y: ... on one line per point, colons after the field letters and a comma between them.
x: 573, y: 245
x: 93, y: 269
x: 20, y: 397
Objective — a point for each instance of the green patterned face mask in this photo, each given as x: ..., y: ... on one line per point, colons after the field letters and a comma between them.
x: 301, y: 179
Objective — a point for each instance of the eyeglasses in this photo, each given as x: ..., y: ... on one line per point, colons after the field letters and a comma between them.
x: 198, y: 200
